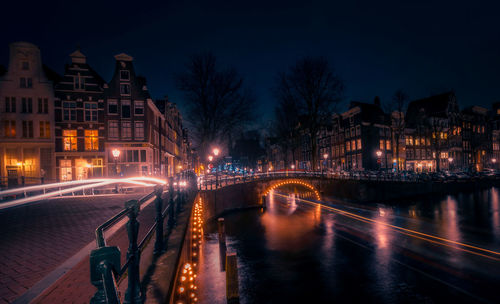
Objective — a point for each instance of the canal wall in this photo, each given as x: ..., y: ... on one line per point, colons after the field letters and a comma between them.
x: 249, y: 194
x: 230, y: 198
x: 373, y: 191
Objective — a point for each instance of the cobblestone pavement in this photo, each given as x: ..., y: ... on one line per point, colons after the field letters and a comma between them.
x: 36, y: 238
x: 75, y: 287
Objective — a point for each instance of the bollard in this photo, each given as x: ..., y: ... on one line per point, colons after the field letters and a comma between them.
x: 159, y: 222
x: 264, y: 201
x: 133, y: 293
x: 222, y: 243
x: 232, y: 286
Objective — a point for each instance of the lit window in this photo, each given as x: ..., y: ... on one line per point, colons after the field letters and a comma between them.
x: 381, y: 144
x: 90, y: 111
x: 69, y: 140
x: 44, y: 129
x: 348, y: 146
x: 91, y: 140
x: 388, y: 144
x: 359, y: 144
x: 10, y: 128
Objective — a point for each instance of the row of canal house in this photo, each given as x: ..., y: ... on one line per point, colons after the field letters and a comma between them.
x: 433, y: 134
x: 67, y: 127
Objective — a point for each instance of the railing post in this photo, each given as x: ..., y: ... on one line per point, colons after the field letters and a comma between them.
x: 159, y: 221
x: 103, y: 261
x: 171, y: 211
x: 133, y: 293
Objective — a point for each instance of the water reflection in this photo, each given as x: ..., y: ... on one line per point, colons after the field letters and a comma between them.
x: 299, y: 252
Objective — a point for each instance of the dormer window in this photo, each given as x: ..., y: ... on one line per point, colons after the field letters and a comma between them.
x: 25, y: 65
x: 124, y: 75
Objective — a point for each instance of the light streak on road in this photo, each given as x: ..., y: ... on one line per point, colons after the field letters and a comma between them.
x: 412, y: 233
x: 94, y: 183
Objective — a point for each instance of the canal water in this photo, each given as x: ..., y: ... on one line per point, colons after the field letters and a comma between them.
x: 430, y: 250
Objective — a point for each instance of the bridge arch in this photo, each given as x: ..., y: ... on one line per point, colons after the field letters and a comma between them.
x: 280, y: 183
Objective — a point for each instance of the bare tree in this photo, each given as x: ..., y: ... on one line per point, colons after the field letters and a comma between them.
x: 218, y: 104
x: 396, y: 109
x: 312, y: 85
x: 434, y: 129
x: 285, y: 126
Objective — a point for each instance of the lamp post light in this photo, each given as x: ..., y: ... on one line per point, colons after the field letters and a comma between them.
x: 450, y: 162
x: 216, y: 152
x: 325, y: 164
x: 494, y: 161
x: 379, y: 160
x: 116, y: 154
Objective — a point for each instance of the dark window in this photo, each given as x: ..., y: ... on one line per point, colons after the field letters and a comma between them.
x: 126, y: 109
x: 13, y: 104
x: 7, y: 104
x: 26, y: 65
x: 125, y: 89
x: 113, y: 107
x: 129, y: 156
x: 90, y: 111
x: 143, y: 156
x: 40, y: 105
x: 46, y: 105
x: 30, y: 105
x: 27, y: 129
x: 136, y: 155
x: 139, y: 107
x: 22, y: 82
x: 30, y: 83
x: 69, y: 110
x: 124, y: 75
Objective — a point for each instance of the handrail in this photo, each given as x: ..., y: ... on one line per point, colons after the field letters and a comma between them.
x: 105, y: 260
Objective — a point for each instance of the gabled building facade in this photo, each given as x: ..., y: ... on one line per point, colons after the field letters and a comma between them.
x: 27, y: 119
x: 132, y: 122
x: 80, y: 131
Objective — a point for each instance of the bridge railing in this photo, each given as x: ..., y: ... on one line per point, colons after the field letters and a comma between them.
x: 211, y: 182
x: 105, y: 267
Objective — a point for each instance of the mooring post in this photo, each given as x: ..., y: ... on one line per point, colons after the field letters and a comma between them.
x: 232, y: 286
x: 222, y: 243
x: 264, y: 201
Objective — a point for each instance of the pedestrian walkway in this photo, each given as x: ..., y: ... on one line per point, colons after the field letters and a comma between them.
x: 37, y: 238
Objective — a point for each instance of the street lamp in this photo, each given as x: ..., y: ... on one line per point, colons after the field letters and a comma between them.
x: 216, y: 151
x: 325, y: 156
x: 116, y: 154
x: 210, y: 158
x: 379, y: 161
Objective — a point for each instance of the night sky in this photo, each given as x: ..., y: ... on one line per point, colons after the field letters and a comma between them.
x: 421, y: 47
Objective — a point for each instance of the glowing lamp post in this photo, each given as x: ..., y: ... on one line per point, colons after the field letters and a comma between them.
x: 450, y: 161
x: 325, y: 164
x: 116, y: 154
x: 379, y: 160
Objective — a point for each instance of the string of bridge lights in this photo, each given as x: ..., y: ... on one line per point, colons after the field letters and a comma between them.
x: 294, y: 181
x: 186, y: 292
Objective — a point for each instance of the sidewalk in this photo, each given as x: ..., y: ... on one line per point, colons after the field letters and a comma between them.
x: 35, y: 239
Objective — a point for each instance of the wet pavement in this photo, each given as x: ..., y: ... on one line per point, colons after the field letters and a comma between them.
x: 430, y: 250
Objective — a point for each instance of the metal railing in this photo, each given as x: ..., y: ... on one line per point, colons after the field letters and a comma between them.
x: 212, y: 182
x: 105, y: 268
